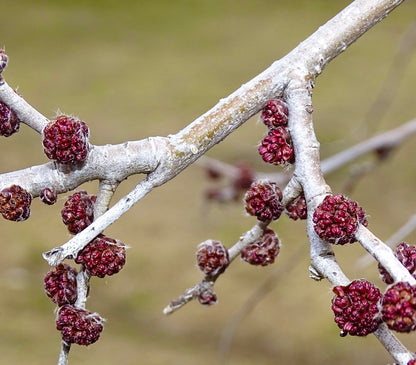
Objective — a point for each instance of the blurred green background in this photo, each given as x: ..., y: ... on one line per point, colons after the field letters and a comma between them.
x: 133, y: 69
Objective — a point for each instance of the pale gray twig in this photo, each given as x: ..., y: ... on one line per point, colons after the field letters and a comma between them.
x: 393, y: 240
x: 253, y: 235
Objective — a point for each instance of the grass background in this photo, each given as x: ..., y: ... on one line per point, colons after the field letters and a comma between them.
x: 134, y: 69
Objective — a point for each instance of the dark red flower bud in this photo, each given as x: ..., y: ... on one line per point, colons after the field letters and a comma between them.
x: 263, y: 200
x: 102, y: 256
x: 356, y: 308
x: 276, y: 148
x: 212, y: 257
x: 61, y: 284
x: 275, y: 114
x: 15, y: 203
x: 78, y: 325
x: 65, y: 140
x: 336, y: 219
x: 262, y: 252
x: 399, y: 307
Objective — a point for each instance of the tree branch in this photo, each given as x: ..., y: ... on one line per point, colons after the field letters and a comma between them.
x: 249, y: 237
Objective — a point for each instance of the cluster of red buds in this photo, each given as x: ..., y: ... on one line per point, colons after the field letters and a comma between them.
x: 356, y: 308
x: 78, y: 211
x: 15, y: 203
x: 263, y: 200
x: 276, y: 148
x: 359, y: 307
x: 9, y: 122
x: 65, y: 141
x: 264, y: 251
x: 337, y: 218
x: 296, y: 209
x: 102, y: 256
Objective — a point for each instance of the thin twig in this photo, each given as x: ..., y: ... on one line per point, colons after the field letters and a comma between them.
x: 387, y: 140
x: 71, y: 248
x: 63, y: 355
x: 384, y: 255
x: 253, y: 235
x: 392, y: 241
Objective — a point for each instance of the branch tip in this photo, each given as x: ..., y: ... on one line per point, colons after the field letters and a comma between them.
x: 54, y: 257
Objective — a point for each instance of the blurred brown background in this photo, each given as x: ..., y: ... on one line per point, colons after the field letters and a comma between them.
x: 133, y: 69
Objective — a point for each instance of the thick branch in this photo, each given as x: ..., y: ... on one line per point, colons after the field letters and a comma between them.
x: 112, y: 163
x: 310, y: 57
x: 309, y: 175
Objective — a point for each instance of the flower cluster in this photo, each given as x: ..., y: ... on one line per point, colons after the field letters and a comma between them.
x: 262, y: 252
x: 399, y: 307
x: 212, y: 257
x: 359, y: 307
x: 15, y: 203
x: 276, y: 148
x: 9, y: 122
x: 78, y: 325
x: 406, y: 254
x: 78, y: 211
x: 61, y: 284
x: 102, y: 256
x: 263, y: 200
x: 48, y: 196
x: 296, y: 209
x: 337, y: 218
x: 65, y: 140
x: 356, y: 308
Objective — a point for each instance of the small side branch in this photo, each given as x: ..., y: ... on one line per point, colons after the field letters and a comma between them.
x: 387, y: 140
x: 384, y: 255
x: 70, y: 249
x: 25, y: 112
x: 106, y: 191
x: 251, y: 236
x: 63, y: 355
x: 392, y: 344
x: 393, y: 240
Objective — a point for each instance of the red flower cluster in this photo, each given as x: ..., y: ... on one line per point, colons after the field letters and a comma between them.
x: 263, y: 200
x: 102, y: 256
x: 9, y: 123
x: 65, y: 140
x: 61, y: 284
x: 336, y: 219
x: 78, y: 325
x: 276, y: 148
x: 356, y: 308
x: 212, y: 257
x: 264, y: 251
x: 15, y: 203
x: 78, y: 211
